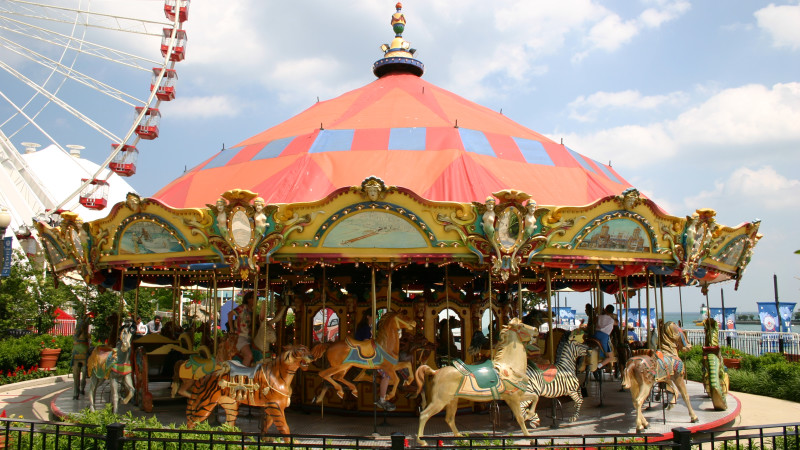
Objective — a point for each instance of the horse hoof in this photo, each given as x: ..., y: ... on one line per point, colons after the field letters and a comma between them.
x: 695, y: 420
x: 421, y: 443
x: 341, y: 394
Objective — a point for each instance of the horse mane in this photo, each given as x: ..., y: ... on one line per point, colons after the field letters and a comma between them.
x: 503, y: 343
x: 383, y: 330
x: 670, y: 338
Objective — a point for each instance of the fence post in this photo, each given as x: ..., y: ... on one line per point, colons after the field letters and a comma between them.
x: 398, y: 440
x: 114, y: 434
x: 682, y: 438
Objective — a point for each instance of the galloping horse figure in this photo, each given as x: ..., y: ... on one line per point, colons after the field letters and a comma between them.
x: 80, y: 353
x: 268, y: 386
x: 114, y: 364
x: 503, y: 377
x: 551, y: 381
x: 383, y: 352
x: 642, y: 372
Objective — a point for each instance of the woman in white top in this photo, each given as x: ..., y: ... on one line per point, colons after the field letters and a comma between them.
x: 605, y: 324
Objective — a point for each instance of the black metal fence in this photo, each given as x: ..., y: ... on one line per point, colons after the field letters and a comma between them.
x: 28, y: 434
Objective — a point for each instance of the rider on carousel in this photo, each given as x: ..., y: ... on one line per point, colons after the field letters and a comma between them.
x: 605, y: 324
x: 363, y: 333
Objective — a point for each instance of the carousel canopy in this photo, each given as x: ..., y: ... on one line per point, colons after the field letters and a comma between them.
x: 407, y: 132
x: 395, y: 176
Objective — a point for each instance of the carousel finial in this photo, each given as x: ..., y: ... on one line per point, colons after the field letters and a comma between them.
x: 398, y: 56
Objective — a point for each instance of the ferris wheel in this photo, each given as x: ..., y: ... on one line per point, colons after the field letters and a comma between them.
x: 92, y: 72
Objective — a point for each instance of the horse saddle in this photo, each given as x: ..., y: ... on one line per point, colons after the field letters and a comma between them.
x: 485, y: 375
x: 365, y: 349
x: 549, y: 371
x: 238, y: 369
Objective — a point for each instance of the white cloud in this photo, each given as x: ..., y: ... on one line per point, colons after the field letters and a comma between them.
x: 782, y: 23
x: 611, y: 32
x: 763, y: 186
x: 750, y: 123
x: 742, y: 116
x: 628, y: 146
x: 586, y: 108
x: 203, y: 107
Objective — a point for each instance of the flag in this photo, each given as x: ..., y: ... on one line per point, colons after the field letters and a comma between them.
x: 730, y: 318
x: 768, y: 316
x: 786, y: 310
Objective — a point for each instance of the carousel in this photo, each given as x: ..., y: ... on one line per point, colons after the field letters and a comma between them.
x: 429, y: 217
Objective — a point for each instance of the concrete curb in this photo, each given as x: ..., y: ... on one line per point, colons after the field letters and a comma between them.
x: 46, y: 381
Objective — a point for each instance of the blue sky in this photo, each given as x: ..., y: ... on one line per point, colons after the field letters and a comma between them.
x: 695, y: 103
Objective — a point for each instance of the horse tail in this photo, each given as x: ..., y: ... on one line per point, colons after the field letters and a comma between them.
x: 318, y: 350
x: 419, y: 376
x: 627, y: 375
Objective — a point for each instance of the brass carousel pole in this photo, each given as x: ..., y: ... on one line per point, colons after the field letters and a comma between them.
x: 324, y: 311
x: 215, y: 310
x: 661, y: 291
x: 121, y: 302
x: 374, y: 328
x: 519, y: 296
x: 548, y: 282
x: 266, y: 307
x: 491, y: 318
x: 136, y: 297
x: 254, y: 311
x: 447, y: 310
x: 647, y: 307
x: 389, y: 292
x: 680, y: 300
x: 655, y: 297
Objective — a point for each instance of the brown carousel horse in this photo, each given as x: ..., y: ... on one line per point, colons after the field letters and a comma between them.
x: 642, y: 372
x: 106, y: 363
x: 268, y: 386
x: 383, y: 353
x: 504, y: 377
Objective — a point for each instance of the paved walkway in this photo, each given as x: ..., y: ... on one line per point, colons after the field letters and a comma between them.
x: 615, y: 416
x: 36, y: 399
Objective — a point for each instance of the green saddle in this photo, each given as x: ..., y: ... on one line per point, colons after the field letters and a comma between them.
x: 485, y: 375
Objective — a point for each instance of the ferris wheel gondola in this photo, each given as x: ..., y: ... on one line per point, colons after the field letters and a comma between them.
x: 74, y: 70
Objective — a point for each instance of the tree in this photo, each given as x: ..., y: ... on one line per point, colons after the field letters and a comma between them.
x: 30, y: 296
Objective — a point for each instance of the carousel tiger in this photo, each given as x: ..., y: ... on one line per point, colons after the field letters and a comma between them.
x: 266, y: 385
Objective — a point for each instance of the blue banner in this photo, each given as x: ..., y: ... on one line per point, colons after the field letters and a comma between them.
x: 787, y: 309
x: 768, y: 316
x: 564, y: 314
x: 638, y: 317
x: 730, y: 318
x: 7, y: 254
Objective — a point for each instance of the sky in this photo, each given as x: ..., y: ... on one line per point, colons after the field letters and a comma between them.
x: 697, y: 104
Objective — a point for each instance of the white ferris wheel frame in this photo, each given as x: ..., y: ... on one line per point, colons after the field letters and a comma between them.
x: 81, y: 46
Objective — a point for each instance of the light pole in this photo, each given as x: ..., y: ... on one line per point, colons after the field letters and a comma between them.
x: 5, y: 221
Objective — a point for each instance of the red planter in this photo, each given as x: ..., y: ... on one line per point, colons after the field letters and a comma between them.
x: 732, y: 363
x: 49, y: 358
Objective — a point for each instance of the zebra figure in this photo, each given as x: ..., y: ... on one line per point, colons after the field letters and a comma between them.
x: 552, y: 381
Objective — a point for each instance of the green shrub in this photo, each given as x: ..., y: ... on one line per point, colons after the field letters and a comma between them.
x: 25, y: 351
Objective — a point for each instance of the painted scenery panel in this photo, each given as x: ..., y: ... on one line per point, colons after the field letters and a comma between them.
x: 732, y: 253
x: 373, y: 229
x: 620, y: 235
x: 147, y: 237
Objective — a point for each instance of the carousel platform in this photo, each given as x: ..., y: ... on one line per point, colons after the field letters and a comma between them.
x: 614, y: 417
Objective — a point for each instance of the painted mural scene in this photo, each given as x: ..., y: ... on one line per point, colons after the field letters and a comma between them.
x: 403, y: 263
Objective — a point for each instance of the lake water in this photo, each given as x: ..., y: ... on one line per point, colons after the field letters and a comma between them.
x: 689, y: 318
